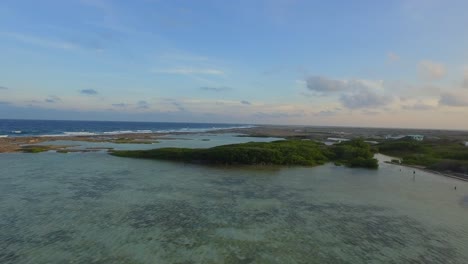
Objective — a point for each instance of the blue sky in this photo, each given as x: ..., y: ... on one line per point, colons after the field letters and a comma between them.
x: 359, y: 63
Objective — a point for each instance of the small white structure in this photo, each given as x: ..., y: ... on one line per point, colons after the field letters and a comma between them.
x: 417, y: 137
x: 466, y: 143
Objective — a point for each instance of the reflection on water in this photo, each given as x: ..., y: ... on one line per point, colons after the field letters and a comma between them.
x: 95, y: 208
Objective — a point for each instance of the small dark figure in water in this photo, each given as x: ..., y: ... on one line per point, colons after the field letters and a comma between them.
x: 414, y: 172
x: 455, y: 187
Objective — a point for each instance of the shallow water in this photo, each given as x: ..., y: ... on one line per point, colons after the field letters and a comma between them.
x: 186, y: 141
x: 96, y: 208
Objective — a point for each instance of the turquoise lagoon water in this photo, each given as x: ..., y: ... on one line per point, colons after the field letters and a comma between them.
x: 96, y: 208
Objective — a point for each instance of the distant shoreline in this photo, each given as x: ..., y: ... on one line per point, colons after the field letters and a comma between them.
x: 15, y: 144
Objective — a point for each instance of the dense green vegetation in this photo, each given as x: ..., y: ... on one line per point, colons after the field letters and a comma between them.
x: 354, y: 153
x: 439, y: 155
x: 34, y: 149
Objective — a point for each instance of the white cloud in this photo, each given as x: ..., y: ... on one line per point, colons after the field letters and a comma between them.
x: 102, y: 5
x: 215, y: 88
x: 300, y: 83
x: 142, y: 104
x: 182, y: 56
x: 325, y: 85
x: 88, y: 92
x: 393, y: 57
x: 40, y: 41
x: 363, y: 83
x: 120, y: 105
x: 465, y: 78
x: 354, y: 93
x: 52, y: 99
x: 325, y: 113
x: 430, y: 70
x: 189, y: 71
x: 364, y: 98
x: 277, y: 115
x: 418, y: 107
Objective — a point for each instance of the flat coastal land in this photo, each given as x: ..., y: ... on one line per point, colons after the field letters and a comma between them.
x: 328, y: 135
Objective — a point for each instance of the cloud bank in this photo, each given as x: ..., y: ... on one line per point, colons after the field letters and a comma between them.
x: 449, y: 99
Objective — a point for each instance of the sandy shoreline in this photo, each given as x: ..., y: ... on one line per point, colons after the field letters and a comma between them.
x: 458, y: 176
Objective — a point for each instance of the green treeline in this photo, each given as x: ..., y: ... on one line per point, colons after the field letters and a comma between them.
x: 355, y: 153
x: 440, y: 155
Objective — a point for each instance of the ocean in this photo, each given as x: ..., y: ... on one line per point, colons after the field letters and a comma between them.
x: 15, y: 128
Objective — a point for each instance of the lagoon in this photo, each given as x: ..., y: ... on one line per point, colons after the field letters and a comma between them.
x: 97, y: 208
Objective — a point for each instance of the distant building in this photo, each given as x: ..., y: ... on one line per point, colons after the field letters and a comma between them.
x: 466, y: 143
x: 417, y: 137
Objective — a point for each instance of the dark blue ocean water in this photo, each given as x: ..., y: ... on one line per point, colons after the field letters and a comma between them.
x: 15, y: 128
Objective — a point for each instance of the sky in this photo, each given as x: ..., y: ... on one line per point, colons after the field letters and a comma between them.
x: 400, y: 63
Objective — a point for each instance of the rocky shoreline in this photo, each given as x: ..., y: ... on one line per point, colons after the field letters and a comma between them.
x: 17, y: 144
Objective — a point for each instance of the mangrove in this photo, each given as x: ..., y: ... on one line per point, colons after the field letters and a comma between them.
x: 354, y: 153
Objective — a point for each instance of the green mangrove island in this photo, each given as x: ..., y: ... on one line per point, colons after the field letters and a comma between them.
x: 354, y: 153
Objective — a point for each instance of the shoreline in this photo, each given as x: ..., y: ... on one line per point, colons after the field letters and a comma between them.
x: 457, y: 176
x: 17, y: 144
